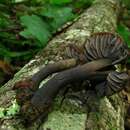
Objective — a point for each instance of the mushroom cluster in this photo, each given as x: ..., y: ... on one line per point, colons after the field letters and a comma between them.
x: 101, y: 56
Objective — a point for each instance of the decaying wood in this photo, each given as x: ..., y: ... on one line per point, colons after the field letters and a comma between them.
x: 95, y: 113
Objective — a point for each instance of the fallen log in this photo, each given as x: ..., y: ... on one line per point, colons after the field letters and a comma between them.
x: 95, y: 114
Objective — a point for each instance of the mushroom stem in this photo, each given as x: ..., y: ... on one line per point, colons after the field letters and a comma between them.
x: 48, y: 92
x: 52, y: 68
x: 34, y: 82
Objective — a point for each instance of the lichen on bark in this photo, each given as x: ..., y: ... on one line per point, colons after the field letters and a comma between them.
x: 96, y: 114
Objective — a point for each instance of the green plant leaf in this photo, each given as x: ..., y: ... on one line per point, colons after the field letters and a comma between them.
x: 127, y: 3
x: 2, y: 112
x: 7, y: 54
x: 58, y: 16
x: 60, y: 2
x: 124, y: 32
x: 3, y: 22
x: 83, y: 3
x: 35, y: 27
x: 13, y: 109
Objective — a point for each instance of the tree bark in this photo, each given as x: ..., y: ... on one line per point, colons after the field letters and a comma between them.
x: 95, y: 114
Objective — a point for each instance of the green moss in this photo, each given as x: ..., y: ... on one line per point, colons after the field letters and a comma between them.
x: 10, y: 111
x: 67, y: 116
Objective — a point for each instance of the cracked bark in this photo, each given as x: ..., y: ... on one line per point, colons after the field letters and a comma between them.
x: 96, y: 114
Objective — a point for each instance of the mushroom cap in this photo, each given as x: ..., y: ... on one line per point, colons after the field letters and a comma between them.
x: 115, y: 82
x: 106, y: 45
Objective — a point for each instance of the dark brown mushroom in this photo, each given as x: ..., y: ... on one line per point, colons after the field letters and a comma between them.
x: 99, y: 51
x: 101, y: 45
x: 41, y: 102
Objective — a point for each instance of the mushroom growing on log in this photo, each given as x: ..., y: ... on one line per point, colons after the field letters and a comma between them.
x: 99, y: 54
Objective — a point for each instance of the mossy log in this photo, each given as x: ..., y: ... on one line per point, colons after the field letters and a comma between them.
x: 95, y: 114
